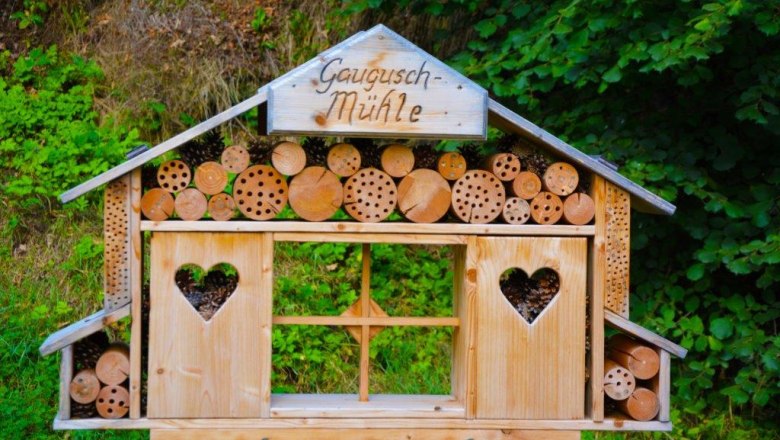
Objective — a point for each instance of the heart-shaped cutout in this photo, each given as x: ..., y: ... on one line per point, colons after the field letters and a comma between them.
x: 207, y: 290
x: 530, y: 296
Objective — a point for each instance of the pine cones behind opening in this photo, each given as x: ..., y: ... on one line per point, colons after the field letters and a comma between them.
x: 370, y: 153
x: 87, y: 351
x: 259, y: 152
x: 207, y: 148
x: 425, y: 156
x: 316, y: 151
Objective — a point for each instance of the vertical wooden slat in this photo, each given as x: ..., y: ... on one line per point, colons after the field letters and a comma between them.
x: 365, y: 304
x: 596, y: 290
x: 661, y: 385
x: 135, y: 262
x: 464, y: 337
x: 618, y: 249
x: 266, y: 319
x: 66, y: 375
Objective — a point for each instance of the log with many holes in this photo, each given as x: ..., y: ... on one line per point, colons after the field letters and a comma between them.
x: 260, y: 192
x: 619, y: 383
x: 478, y: 197
x: 344, y: 159
x: 370, y: 195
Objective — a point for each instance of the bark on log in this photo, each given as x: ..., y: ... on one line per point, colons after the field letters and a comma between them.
x: 344, y: 159
x: 85, y: 386
x: 113, y: 366
x: 619, y: 383
x: 505, y: 166
x: 526, y: 185
x: 452, y: 166
x: 235, y: 159
x: 578, y: 209
x: 561, y: 179
x: 546, y: 208
x: 424, y: 196
x: 174, y: 175
x: 222, y: 207
x: 516, y: 211
x: 397, y: 160
x: 191, y: 204
x: 211, y: 178
x: 642, y: 361
x: 642, y: 405
x: 260, y: 192
x: 478, y: 197
x: 288, y: 158
x: 370, y: 195
x: 316, y: 194
x: 113, y: 402
x: 157, y: 204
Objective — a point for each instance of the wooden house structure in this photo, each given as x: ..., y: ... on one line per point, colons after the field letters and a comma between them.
x: 511, y: 378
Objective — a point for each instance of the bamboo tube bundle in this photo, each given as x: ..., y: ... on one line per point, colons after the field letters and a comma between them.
x: 478, y: 197
x: 85, y: 386
x: 642, y: 405
x: 505, y: 166
x: 344, y: 159
x: 316, y: 194
x: 516, y: 211
x: 260, y: 192
x: 619, y: 383
x: 288, y: 158
x: 222, y: 207
x: 546, y: 208
x: 578, y: 209
x: 157, y: 204
x: 211, y: 178
x: 370, y: 195
x: 526, y: 185
x: 561, y: 179
x: 113, y: 367
x: 451, y: 165
x: 642, y: 361
x: 174, y: 176
x: 191, y: 204
x: 113, y: 402
x: 235, y: 159
x: 397, y: 160
x: 424, y: 196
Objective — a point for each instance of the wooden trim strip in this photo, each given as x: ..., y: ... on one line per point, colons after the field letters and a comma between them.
x: 368, y: 321
x: 620, y: 323
x: 349, y: 237
x: 597, y: 278
x: 80, y: 329
x: 136, y: 302
x: 380, y: 405
x: 361, y: 434
x: 365, y: 309
x: 66, y: 375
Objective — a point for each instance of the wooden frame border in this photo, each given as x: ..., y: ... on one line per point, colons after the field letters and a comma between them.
x: 66, y: 375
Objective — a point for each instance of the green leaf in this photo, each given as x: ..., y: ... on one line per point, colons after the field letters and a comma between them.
x: 695, y: 272
x: 612, y: 75
x: 721, y: 328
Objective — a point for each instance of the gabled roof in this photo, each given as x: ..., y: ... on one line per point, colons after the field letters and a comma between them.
x: 500, y: 116
x: 81, y: 329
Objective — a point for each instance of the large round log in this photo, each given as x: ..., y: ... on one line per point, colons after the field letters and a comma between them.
x: 113, y: 402
x: 191, y: 204
x: 157, y: 204
x: 578, y: 209
x: 516, y: 211
x: 113, y: 367
x: 478, y: 197
x: 344, y: 159
x: 222, y: 207
x: 643, y: 405
x: 546, y: 208
x: 288, y: 158
x: 235, y: 159
x: 561, y: 179
x: 211, y: 178
x: 397, y: 160
x: 260, y: 192
x: 452, y: 166
x: 619, y: 383
x: 642, y: 361
x: 316, y: 194
x: 424, y: 196
x: 526, y: 185
x: 505, y: 166
x: 85, y: 386
x: 174, y: 175
x: 370, y: 195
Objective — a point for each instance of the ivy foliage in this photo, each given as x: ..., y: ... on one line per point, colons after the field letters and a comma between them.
x: 683, y: 95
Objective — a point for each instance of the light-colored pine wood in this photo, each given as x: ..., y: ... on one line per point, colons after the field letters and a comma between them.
x: 478, y: 197
x: 81, y: 329
x: 157, y: 204
x: 352, y: 237
x: 264, y: 321
x: 381, y: 321
x: 526, y: 185
x: 505, y: 166
x: 641, y: 360
x: 597, y: 267
x: 222, y: 207
x: 546, y: 208
x: 316, y: 194
x: 397, y: 160
x: 344, y: 159
x: 85, y: 386
x: 424, y: 196
x: 363, y: 434
x: 618, y: 322
x: 365, y: 330
x: 288, y: 158
x: 516, y: 211
x: 452, y: 166
x: 211, y: 178
x: 544, y: 376
x: 136, y: 283
x: 349, y: 406
x: 260, y: 192
x: 174, y: 175
x: 370, y: 195
x: 661, y: 385
x: 641, y: 406
x: 578, y: 209
x: 113, y: 366
x: 619, y: 383
x: 356, y: 310
x: 235, y: 159
x: 116, y: 240
x: 618, y: 249
x: 66, y: 375
x: 191, y: 204
x: 189, y: 373
x: 113, y: 402
x: 464, y: 368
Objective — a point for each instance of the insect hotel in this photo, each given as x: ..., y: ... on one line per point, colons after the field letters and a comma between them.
x: 539, y: 232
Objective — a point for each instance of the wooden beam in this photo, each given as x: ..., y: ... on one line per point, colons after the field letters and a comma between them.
x: 135, y: 261
x: 266, y: 319
x: 618, y: 322
x: 661, y: 385
x: 597, y: 270
x: 80, y: 329
x: 383, y: 321
x: 66, y: 375
x: 350, y: 406
x: 362, y: 434
x: 348, y: 237
x: 365, y: 306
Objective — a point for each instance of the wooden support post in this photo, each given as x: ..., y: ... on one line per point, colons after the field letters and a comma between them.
x: 365, y: 340
x: 136, y: 283
x: 464, y: 340
x: 266, y: 319
x: 596, y: 288
x: 661, y: 385
x: 66, y: 375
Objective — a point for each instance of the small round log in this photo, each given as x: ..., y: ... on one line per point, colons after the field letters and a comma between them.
x: 174, y: 175
x: 344, y: 159
x: 235, y: 159
x: 289, y: 158
x: 397, y: 160
x: 546, y: 208
x: 260, y: 192
x: 211, y: 178
x: 85, y: 386
x: 561, y: 179
x: 578, y: 209
x: 157, y: 204
x: 478, y: 197
x: 222, y: 207
x: 113, y: 366
x: 113, y: 402
x: 424, y: 196
x: 370, y: 195
x: 316, y: 194
x: 526, y: 185
x: 642, y: 361
x: 505, y: 166
x: 516, y: 211
x: 619, y: 383
x: 191, y: 204
x: 452, y: 166
x: 642, y: 405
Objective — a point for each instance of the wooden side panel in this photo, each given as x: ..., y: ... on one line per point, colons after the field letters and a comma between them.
x: 135, y: 260
x: 618, y: 248
x: 66, y: 375
x: 464, y: 338
x: 116, y: 237
x: 531, y: 371
x: 597, y: 279
x: 212, y: 368
x: 661, y: 385
x: 362, y: 434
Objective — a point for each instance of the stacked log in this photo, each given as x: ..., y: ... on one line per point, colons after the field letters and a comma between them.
x: 316, y: 194
x: 629, y: 361
x: 100, y: 386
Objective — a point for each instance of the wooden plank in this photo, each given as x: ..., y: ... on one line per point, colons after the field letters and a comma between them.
x: 346, y: 237
x: 135, y: 259
x: 116, y: 239
x: 464, y: 337
x: 80, y: 329
x: 362, y: 434
x: 609, y: 424
x: 190, y: 371
x: 618, y: 322
x: 394, y: 89
x: 350, y: 406
x: 618, y: 249
x: 266, y: 322
x: 597, y: 269
x: 531, y: 371
x: 66, y: 375
x: 368, y: 321
x: 365, y: 307
x: 661, y: 385
x: 362, y: 228
x: 509, y: 121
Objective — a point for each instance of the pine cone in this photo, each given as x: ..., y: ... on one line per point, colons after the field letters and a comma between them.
x: 535, y: 162
x: 316, y: 151
x: 149, y: 176
x: 82, y: 410
x: 425, y: 156
x: 507, y: 143
x: 370, y: 153
x: 206, y: 148
x: 87, y: 351
x: 259, y: 152
x: 472, y: 154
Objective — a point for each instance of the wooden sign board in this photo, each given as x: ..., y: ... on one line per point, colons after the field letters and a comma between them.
x: 380, y: 85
